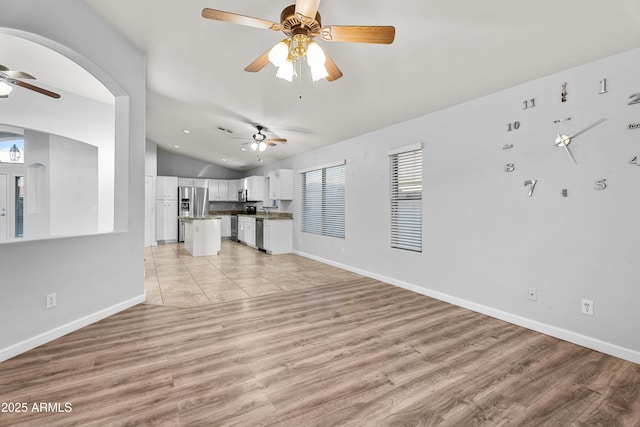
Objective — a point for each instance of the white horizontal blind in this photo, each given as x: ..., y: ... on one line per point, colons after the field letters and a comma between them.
x: 406, y: 200
x: 323, y: 199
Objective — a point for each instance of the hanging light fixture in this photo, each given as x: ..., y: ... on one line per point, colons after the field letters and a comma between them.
x: 254, y: 146
x: 14, y: 153
x: 5, y: 89
x: 288, y: 51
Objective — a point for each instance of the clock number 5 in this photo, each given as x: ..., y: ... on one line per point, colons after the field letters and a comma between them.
x: 532, y: 183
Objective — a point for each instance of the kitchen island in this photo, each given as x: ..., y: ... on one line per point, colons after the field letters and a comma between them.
x: 202, y: 235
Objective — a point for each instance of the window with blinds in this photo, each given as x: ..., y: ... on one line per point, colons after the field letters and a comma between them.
x: 323, y: 201
x: 406, y: 200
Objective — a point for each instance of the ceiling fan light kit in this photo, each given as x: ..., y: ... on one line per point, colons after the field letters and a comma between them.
x: 301, y: 22
x: 5, y: 89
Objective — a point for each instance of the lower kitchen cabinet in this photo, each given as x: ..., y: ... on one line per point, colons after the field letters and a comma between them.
x: 247, y: 230
x: 225, y: 226
x: 167, y: 221
x: 278, y: 236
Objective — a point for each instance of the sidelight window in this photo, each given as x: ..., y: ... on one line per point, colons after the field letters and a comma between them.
x: 406, y: 199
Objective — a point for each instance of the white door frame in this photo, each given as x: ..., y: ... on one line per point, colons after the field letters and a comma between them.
x: 4, y: 207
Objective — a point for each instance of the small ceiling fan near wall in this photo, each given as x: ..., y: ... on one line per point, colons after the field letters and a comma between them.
x: 301, y: 23
x: 9, y: 78
x: 259, y: 141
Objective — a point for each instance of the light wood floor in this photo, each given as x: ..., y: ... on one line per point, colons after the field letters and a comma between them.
x: 285, y: 340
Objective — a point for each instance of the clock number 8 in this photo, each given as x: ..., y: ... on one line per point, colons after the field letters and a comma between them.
x: 513, y: 126
x: 509, y: 167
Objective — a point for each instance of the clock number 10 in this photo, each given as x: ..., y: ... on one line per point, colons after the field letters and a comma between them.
x: 513, y: 126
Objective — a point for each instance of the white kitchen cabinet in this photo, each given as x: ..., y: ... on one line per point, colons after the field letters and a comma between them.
x: 233, y: 187
x: 167, y: 188
x: 185, y: 182
x: 219, y: 190
x: 281, y: 184
x: 247, y: 230
x: 167, y: 220
x: 225, y: 226
x: 255, y: 188
x: 278, y: 236
x: 201, y: 182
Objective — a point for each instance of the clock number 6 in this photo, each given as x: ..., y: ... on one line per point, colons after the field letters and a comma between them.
x: 532, y: 183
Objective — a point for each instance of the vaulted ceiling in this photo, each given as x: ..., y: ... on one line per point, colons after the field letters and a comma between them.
x: 445, y: 52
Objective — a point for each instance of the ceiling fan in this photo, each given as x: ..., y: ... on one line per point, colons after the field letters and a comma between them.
x: 259, y: 140
x: 301, y: 23
x: 9, y: 78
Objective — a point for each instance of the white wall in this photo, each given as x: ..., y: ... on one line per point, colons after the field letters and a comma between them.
x: 75, y: 117
x: 484, y: 241
x: 173, y: 164
x: 74, y: 187
x: 94, y: 275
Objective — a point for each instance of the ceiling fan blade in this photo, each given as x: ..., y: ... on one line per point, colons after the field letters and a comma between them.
x: 306, y: 10
x: 259, y: 63
x: 358, y: 34
x: 277, y: 140
x: 3, y: 68
x: 234, y: 18
x: 269, y: 143
x: 17, y: 74
x: 333, y: 71
x: 35, y: 89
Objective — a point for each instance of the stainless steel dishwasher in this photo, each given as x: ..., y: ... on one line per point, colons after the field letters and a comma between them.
x: 260, y: 233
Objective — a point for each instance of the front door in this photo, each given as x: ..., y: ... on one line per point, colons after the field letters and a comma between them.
x: 4, y: 215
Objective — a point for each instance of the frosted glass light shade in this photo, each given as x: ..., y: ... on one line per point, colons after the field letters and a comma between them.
x: 318, y: 72
x: 278, y: 54
x: 285, y: 71
x: 315, y: 55
x: 5, y: 89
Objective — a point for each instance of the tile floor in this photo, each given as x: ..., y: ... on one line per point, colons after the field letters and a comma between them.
x: 175, y: 278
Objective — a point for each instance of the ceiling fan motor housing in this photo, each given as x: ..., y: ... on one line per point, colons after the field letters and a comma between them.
x: 291, y: 22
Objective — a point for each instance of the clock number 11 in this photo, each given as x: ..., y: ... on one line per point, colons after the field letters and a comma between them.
x: 530, y: 103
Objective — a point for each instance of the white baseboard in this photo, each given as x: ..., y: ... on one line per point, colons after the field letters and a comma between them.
x: 554, y: 331
x: 45, y: 337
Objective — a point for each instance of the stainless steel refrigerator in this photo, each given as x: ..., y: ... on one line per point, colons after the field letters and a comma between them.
x: 194, y: 203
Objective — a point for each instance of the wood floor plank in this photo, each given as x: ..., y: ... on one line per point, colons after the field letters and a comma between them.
x: 328, y: 348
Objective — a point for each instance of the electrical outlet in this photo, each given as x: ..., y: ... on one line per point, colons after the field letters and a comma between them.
x: 51, y: 300
x: 587, y: 307
x: 532, y: 294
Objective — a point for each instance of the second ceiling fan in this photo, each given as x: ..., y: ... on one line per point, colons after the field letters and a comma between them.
x: 301, y: 23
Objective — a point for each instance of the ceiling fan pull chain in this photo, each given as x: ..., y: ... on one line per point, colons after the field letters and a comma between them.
x: 299, y: 79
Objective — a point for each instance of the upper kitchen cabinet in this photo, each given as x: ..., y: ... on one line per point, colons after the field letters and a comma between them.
x: 167, y: 188
x: 254, y: 185
x: 234, y: 187
x: 218, y: 190
x: 193, y: 182
x: 281, y: 184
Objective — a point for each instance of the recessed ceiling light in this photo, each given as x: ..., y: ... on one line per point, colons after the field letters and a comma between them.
x: 187, y: 131
x: 176, y: 146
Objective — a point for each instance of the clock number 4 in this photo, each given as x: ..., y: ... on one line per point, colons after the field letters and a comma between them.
x: 532, y: 183
x: 513, y: 126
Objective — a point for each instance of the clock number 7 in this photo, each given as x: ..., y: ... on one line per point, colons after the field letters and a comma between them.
x: 532, y: 183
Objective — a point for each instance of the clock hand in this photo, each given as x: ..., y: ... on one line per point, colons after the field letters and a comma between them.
x: 566, y: 147
x: 587, y: 128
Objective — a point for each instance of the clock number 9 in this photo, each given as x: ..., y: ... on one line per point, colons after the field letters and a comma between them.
x: 513, y: 126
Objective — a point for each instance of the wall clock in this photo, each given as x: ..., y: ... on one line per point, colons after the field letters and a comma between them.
x: 579, y: 123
